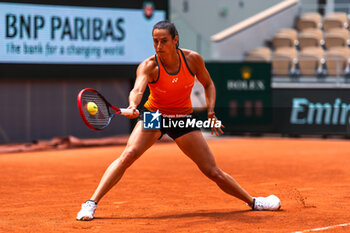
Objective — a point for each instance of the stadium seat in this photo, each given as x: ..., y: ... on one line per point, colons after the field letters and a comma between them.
x: 309, y: 20
x: 283, y: 61
x: 335, y: 20
x: 315, y: 31
x: 337, y: 37
x: 259, y: 54
x: 281, y: 40
x: 310, y: 37
x: 291, y: 32
x: 337, y: 61
x: 310, y: 61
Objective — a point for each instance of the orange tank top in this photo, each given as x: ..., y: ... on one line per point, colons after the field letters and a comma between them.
x: 171, y: 93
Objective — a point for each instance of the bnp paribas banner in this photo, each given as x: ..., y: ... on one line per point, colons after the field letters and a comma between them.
x: 243, y: 92
x: 34, y: 33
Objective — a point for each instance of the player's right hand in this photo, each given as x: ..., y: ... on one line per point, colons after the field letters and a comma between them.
x: 135, y: 112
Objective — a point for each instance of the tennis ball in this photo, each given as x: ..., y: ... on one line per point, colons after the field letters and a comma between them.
x: 92, y: 108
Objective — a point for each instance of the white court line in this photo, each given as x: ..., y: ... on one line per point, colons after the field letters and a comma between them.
x: 324, y: 228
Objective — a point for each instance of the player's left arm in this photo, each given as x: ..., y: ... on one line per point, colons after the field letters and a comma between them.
x: 203, y: 76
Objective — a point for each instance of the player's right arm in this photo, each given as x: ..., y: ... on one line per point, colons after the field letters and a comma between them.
x: 146, y: 72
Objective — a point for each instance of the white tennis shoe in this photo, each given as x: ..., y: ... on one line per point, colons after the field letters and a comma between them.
x: 87, y: 211
x: 266, y: 203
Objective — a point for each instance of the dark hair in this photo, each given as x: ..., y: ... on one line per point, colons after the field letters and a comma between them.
x: 165, y: 24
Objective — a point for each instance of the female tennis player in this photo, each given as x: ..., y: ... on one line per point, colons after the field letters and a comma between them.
x: 170, y: 76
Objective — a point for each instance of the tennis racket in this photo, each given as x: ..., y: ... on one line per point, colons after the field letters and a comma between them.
x: 96, y: 111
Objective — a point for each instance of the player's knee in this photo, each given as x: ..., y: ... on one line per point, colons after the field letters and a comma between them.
x: 128, y: 157
x: 215, y: 174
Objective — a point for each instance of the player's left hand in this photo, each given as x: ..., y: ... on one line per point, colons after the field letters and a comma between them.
x: 214, y: 129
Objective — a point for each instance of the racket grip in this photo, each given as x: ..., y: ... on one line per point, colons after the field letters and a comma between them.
x: 127, y: 112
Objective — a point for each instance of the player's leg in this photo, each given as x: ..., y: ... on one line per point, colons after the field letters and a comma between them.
x: 139, y: 141
x: 196, y: 148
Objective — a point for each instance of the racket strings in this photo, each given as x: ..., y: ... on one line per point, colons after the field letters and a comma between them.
x: 102, y: 117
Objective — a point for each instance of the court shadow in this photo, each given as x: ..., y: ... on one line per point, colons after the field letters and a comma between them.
x: 215, y: 214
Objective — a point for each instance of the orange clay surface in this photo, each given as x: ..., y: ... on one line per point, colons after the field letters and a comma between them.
x: 164, y: 191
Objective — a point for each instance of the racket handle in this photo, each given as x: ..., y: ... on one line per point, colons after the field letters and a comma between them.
x: 127, y: 112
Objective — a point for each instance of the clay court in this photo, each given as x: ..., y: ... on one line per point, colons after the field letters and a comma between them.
x: 165, y: 192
